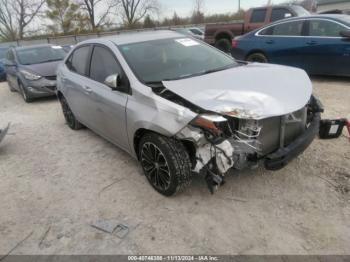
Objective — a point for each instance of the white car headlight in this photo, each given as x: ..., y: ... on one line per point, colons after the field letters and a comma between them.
x: 30, y: 76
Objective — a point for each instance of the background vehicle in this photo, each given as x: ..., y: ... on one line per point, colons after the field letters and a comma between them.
x: 32, y: 70
x: 180, y: 106
x: 191, y: 31
x: 318, y: 44
x: 2, y: 67
x: 221, y: 35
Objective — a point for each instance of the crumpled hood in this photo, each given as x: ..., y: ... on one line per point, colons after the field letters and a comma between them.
x: 44, y: 69
x: 255, y: 91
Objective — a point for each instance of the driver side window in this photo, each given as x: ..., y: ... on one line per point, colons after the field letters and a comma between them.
x: 103, y: 64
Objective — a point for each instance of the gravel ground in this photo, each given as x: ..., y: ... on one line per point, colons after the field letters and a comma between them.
x: 55, y: 182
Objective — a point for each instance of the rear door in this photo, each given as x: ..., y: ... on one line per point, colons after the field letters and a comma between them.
x: 77, y: 94
x: 325, y: 51
x: 108, y: 107
x: 282, y: 42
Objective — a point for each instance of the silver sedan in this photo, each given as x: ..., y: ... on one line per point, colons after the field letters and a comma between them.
x: 181, y: 107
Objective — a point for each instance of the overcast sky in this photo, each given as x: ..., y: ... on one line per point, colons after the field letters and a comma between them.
x: 184, y: 7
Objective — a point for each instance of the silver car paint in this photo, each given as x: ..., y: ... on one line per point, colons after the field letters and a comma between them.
x: 143, y: 109
x: 254, y: 91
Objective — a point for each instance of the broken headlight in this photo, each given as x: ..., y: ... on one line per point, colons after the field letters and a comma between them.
x: 29, y: 75
x: 215, y: 127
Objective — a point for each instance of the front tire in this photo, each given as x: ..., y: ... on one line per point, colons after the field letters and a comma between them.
x: 72, y: 122
x: 166, y: 163
x: 258, y: 58
x: 24, y: 93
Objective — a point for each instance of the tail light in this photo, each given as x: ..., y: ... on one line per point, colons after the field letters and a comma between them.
x: 234, y: 43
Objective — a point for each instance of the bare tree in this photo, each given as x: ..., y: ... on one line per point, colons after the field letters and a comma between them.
x: 198, y: 6
x: 16, y: 15
x: 25, y: 11
x: 8, y: 29
x: 198, y: 12
x: 135, y: 10
x: 97, y: 11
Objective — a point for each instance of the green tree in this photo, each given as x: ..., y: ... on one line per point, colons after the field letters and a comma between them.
x: 148, y: 22
x: 63, y: 13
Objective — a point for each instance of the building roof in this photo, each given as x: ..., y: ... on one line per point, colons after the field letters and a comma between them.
x: 329, y: 2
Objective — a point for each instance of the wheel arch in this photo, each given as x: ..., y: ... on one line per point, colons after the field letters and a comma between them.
x: 189, y: 145
x: 224, y: 35
x: 255, y: 51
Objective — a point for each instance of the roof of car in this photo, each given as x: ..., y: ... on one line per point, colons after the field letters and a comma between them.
x: 136, y: 37
x: 31, y: 46
x: 331, y: 16
x: 338, y: 17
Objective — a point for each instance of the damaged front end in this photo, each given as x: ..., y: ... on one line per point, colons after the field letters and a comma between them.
x: 236, y: 140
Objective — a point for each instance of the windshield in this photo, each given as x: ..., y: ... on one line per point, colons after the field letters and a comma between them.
x: 346, y: 19
x: 175, y: 58
x: 38, y: 55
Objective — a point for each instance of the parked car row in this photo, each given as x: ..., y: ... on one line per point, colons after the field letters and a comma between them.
x: 178, y: 105
x: 221, y: 34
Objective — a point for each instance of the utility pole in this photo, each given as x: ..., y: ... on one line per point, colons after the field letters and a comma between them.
x: 239, y: 5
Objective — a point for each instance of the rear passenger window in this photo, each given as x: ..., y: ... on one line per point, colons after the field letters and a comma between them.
x: 288, y: 29
x: 103, y: 64
x: 258, y: 16
x: 78, y: 61
x: 280, y: 13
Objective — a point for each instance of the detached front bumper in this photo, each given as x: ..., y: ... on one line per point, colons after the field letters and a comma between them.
x: 283, y: 156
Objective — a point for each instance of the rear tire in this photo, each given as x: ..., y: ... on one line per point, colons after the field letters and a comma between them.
x: 165, y: 163
x: 224, y: 45
x: 71, y: 121
x: 257, y: 57
x: 10, y: 87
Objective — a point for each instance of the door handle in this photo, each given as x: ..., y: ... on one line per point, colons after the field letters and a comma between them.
x: 312, y: 42
x: 87, y: 90
x: 270, y: 42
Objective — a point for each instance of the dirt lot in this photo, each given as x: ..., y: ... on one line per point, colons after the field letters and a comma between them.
x: 55, y: 182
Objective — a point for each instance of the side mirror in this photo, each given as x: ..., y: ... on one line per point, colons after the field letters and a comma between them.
x: 345, y: 33
x: 113, y: 81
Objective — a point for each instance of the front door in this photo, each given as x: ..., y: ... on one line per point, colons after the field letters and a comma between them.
x: 108, y: 106
x: 325, y: 51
